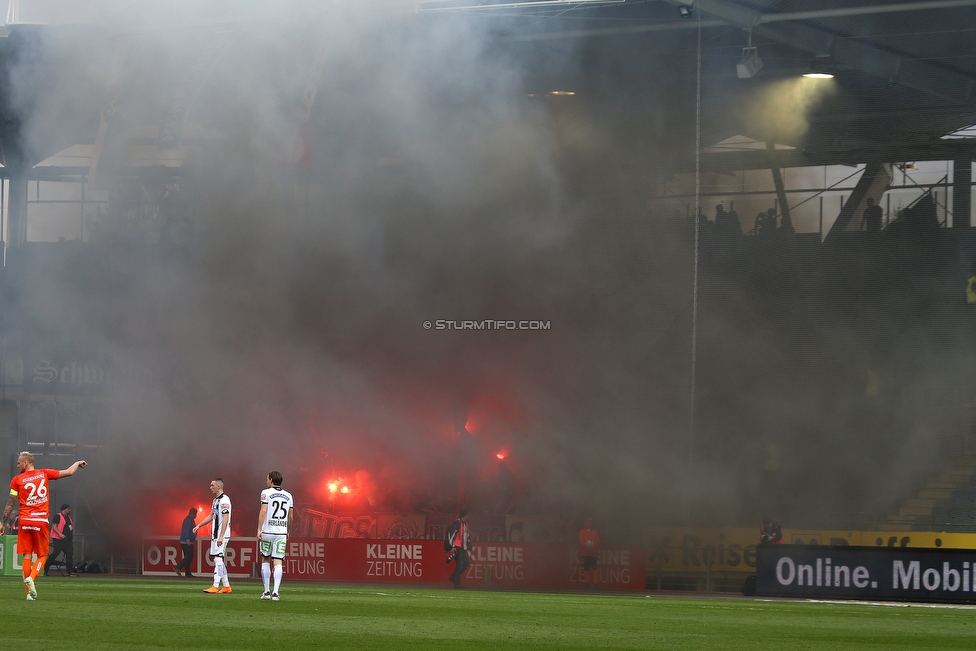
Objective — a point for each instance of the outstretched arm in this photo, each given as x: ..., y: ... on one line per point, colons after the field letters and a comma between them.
x: 206, y: 520
x: 72, y: 469
x: 11, y: 503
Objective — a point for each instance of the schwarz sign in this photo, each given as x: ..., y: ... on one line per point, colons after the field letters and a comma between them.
x: 897, y: 573
x: 59, y: 376
x: 85, y: 376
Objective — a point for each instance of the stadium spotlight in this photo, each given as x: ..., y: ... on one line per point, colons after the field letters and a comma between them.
x: 686, y: 10
x: 751, y: 63
x: 822, y: 67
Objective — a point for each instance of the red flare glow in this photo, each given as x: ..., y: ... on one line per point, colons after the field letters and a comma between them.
x: 342, y: 490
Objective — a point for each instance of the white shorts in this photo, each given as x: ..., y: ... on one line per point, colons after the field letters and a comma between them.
x: 273, y: 545
x: 216, y: 550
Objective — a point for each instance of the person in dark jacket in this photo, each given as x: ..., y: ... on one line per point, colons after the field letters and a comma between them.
x: 459, y: 535
x: 187, y: 539
x: 62, y: 535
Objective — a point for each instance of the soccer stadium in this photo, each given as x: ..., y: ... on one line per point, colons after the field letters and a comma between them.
x: 548, y: 324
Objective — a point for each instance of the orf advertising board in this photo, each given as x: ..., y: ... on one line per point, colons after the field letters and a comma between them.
x: 505, y: 564
x: 898, y: 573
x: 161, y: 554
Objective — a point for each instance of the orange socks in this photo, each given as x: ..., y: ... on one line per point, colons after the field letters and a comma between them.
x: 27, y: 572
x: 38, y: 566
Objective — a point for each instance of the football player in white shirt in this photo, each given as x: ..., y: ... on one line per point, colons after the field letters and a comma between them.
x: 274, y: 523
x: 220, y: 516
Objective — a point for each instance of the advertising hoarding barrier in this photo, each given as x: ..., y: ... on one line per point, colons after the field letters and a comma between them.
x: 160, y: 555
x: 867, y: 573
x: 514, y: 565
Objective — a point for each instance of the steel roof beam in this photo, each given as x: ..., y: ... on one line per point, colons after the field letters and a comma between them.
x: 760, y: 159
x: 919, y: 75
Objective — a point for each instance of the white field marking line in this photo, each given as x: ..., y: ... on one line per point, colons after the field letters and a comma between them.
x: 892, y: 604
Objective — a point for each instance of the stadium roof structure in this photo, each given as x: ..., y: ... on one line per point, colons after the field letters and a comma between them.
x: 904, y: 71
x: 904, y: 86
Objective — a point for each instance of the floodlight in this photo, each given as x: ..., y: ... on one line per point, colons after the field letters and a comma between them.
x: 750, y: 64
x: 685, y: 10
x: 822, y: 67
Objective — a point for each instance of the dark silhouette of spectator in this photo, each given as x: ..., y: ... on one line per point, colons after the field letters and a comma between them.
x: 771, y: 532
x: 786, y: 225
x: 727, y: 222
x: 732, y: 218
x: 720, y: 214
x: 872, y: 217
x: 766, y: 222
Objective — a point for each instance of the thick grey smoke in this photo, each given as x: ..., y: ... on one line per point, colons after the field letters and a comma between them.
x: 271, y: 315
x: 266, y: 307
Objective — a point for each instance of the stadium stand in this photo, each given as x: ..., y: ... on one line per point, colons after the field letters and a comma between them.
x: 947, y: 502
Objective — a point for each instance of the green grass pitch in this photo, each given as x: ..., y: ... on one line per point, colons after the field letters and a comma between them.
x: 133, y: 613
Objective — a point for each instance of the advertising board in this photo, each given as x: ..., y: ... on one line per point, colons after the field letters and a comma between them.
x: 871, y: 573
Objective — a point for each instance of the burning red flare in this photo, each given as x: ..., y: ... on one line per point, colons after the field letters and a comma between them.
x: 338, y: 485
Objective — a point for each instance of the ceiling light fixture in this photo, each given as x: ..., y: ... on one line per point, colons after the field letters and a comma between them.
x: 750, y: 63
x: 822, y: 67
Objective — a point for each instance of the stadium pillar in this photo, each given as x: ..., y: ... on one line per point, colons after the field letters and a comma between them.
x: 778, y: 181
x: 962, y: 192
x: 17, y: 209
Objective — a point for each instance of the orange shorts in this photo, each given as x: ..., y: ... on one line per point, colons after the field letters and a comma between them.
x: 33, y: 539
